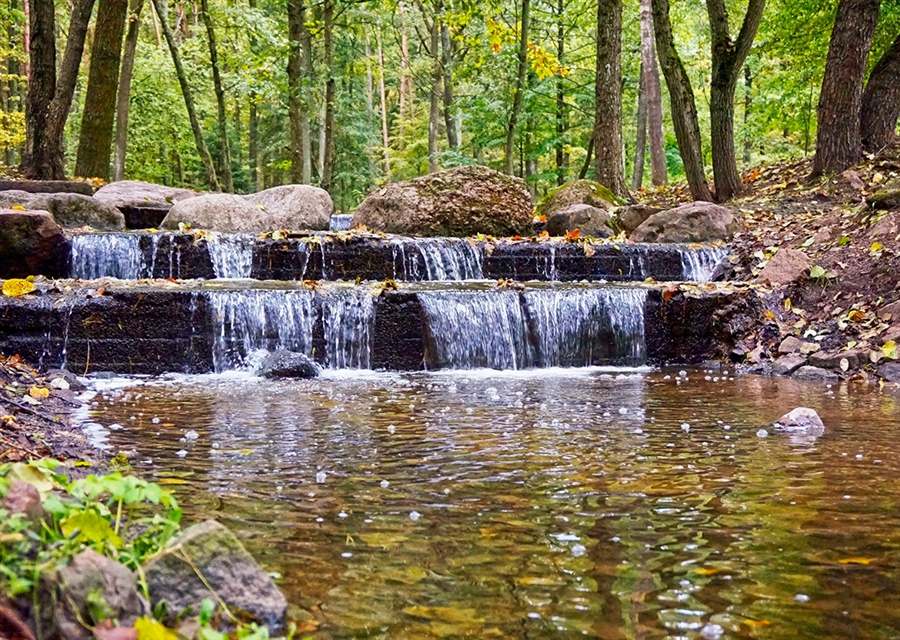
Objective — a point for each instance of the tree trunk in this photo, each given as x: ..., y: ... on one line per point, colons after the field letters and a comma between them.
x: 328, y: 155
x: 683, y: 107
x: 221, y: 113
x: 382, y: 95
x: 519, y: 94
x: 609, y: 166
x: 881, y: 102
x: 728, y: 58
x: 253, y: 143
x: 640, y: 146
x: 838, y: 139
x: 450, y: 120
x: 370, y: 76
x: 748, y: 105
x: 297, y: 104
x: 202, y: 151
x: 562, y: 120
x: 124, y: 96
x: 434, y: 111
x: 406, y: 86
x: 653, y: 97
x: 95, y: 139
x: 587, y: 159
x: 41, y: 44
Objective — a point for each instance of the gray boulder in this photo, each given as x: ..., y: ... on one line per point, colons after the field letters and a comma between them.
x: 288, y: 364
x: 586, y: 192
x: 801, y: 421
x: 890, y: 371
x: 814, y: 373
x: 91, y: 579
x: 786, y: 365
x: 694, y: 222
x: 143, y: 204
x: 591, y: 221
x: 48, y: 186
x: 832, y: 359
x: 219, y: 212
x: 68, y: 209
x: 208, y: 556
x: 455, y: 202
x: 631, y: 217
x: 32, y: 243
x: 785, y: 267
x: 295, y: 206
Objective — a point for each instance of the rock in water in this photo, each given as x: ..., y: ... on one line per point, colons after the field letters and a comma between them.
x: 694, y: 222
x: 288, y: 364
x: 32, y: 243
x: 801, y: 421
x: 591, y: 221
x: 586, y: 192
x: 210, y: 550
x: 295, y: 206
x: 91, y: 578
x: 455, y: 202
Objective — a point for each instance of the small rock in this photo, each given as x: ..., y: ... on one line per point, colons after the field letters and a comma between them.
x: 288, y: 364
x: 218, y: 561
x: 809, y: 347
x: 591, y: 221
x: 803, y: 421
x: 786, y: 365
x: 790, y: 344
x: 25, y: 499
x: 890, y: 371
x: 631, y: 217
x: 785, y: 267
x: 889, y: 311
x: 832, y: 359
x: 814, y: 373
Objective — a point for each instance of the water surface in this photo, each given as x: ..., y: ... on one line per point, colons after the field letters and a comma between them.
x: 540, y: 504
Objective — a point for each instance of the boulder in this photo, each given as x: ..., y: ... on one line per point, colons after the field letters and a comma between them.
x: 814, y: 373
x: 68, y: 209
x: 32, y: 243
x: 591, y: 221
x: 143, y: 204
x: 455, y: 202
x: 295, y: 206
x: 832, y: 359
x: 577, y: 192
x: 888, y: 197
x: 219, y: 212
x: 94, y: 588
x: 208, y: 556
x: 785, y: 267
x: 24, y: 498
x: 694, y: 222
x: 288, y: 364
x: 801, y: 421
x: 631, y: 217
x: 890, y: 371
x: 786, y: 365
x: 48, y: 186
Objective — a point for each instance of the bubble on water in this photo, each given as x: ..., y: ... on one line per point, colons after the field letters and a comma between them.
x: 181, y: 453
x: 859, y: 456
x: 534, y: 615
x: 801, y: 597
x: 346, y: 554
x: 762, y: 433
x: 155, y: 420
x: 667, y: 377
x: 385, y: 484
x: 320, y: 477
x: 712, y: 631
x: 342, y: 514
x: 452, y: 388
x: 606, y: 414
x: 446, y: 492
x: 391, y: 429
x: 623, y: 410
x: 320, y: 519
x: 682, y: 374
x: 414, y: 515
x: 685, y: 427
x: 191, y: 435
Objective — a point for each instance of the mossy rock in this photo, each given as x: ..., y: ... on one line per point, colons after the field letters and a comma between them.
x: 586, y: 192
x: 887, y: 197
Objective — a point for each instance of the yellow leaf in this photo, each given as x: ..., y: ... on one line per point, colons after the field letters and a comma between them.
x: 787, y: 304
x: 91, y: 527
x: 876, y: 247
x: 39, y: 392
x: 17, y: 207
x: 150, y: 629
x: 15, y: 287
x: 856, y: 315
x: 889, y: 349
x: 711, y: 571
x: 855, y: 560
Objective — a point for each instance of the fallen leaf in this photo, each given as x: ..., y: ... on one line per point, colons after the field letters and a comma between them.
x: 39, y: 393
x: 15, y: 287
x: 857, y: 560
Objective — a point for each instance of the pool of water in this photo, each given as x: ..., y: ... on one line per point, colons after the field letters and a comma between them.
x: 543, y: 504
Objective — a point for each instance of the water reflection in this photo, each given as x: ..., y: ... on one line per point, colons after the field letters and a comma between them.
x: 541, y: 504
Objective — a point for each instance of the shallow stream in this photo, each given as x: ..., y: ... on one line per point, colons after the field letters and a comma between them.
x: 539, y: 504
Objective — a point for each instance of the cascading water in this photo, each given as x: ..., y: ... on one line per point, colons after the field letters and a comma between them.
x: 113, y: 255
x: 340, y: 222
x: 698, y: 264
x: 437, y: 259
x: 250, y: 320
x: 566, y: 327
x: 231, y: 254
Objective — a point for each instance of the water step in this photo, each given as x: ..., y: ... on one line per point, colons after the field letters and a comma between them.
x: 215, y: 326
x: 340, y: 257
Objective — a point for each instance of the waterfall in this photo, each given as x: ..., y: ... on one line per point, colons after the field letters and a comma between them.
x: 249, y: 320
x: 231, y: 254
x: 508, y: 329
x: 698, y: 263
x: 114, y: 255
x: 437, y: 259
x: 340, y: 222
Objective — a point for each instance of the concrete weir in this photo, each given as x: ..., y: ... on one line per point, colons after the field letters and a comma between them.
x: 152, y: 328
x: 349, y: 257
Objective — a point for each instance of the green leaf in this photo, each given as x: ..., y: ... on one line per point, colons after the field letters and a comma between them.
x: 91, y: 527
x: 816, y: 272
x: 24, y: 472
x: 844, y: 240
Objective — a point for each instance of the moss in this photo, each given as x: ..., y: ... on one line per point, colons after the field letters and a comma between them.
x: 578, y: 192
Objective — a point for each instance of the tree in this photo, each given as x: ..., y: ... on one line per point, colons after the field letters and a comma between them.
x: 728, y: 58
x: 48, y: 102
x: 228, y: 183
x: 684, y: 110
x: 298, y: 110
x: 609, y: 165
x: 880, y: 107
x: 838, y: 140
x: 519, y: 92
x: 328, y: 123
x: 123, y: 98
x: 95, y: 139
x: 653, y: 98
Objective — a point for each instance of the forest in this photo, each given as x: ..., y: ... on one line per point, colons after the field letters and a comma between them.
x: 347, y: 95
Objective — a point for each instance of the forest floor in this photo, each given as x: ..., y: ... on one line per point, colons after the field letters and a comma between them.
x: 845, y: 300
x: 35, y: 416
